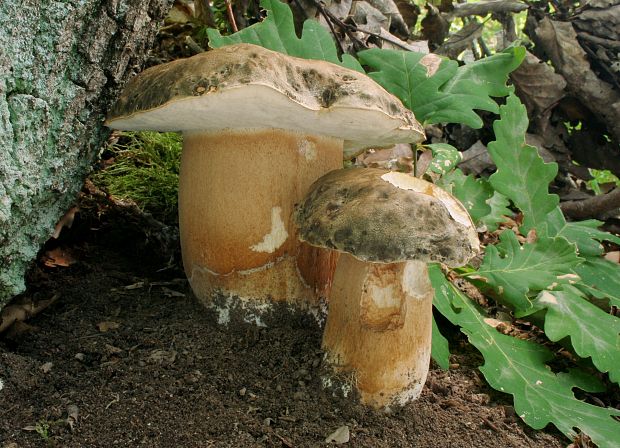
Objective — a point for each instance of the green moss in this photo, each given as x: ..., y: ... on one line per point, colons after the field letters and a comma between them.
x: 144, y: 169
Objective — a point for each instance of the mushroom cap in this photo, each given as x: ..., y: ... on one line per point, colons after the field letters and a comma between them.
x: 384, y: 216
x: 245, y: 86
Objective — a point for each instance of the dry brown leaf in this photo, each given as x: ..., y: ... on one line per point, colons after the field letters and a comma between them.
x: 340, y: 435
x: 47, y: 367
x: 461, y: 40
x: 65, y: 221
x: 23, y: 309
x: 58, y: 257
x: 137, y: 285
x: 171, y: 292
x: 559, y: 41
x: 107, y: 325
x: 162, y: 356
x: 409, y: 12
x: 538, y: 85
x: 73, y: 413
x: 476, y: 159
x: 434, y: 26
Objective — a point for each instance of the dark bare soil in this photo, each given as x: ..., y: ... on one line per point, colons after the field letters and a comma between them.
x: 121, y: 359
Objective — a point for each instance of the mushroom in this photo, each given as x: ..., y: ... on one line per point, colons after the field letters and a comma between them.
x: 258, y: 128
x: 387, y: 226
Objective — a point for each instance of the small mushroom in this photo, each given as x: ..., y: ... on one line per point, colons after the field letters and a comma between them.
x: 258, y: 128
x: 387, y: 226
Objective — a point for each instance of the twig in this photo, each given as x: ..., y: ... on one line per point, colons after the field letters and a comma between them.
x: 379, y: 36
x: 608, y: 43
x: 231, y: 16
x: 484, y: 8
x: 117, y: 398
x: 323, y: 12
x: 483, y: 47
x: 593, y: 207
x: 193, y: 45
x: 348, y: 29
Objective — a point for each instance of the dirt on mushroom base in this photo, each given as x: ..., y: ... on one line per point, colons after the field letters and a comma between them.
x: 144, y: 364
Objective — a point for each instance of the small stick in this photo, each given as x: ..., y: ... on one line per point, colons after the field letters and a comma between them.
x: 595, y: 206
x: 231, y: 16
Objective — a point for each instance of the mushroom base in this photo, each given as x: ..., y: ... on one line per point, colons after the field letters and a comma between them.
x: 378, y: 329
x: 237, y: 194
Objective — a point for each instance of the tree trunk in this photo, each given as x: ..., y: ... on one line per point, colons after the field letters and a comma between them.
x: 61, y: 66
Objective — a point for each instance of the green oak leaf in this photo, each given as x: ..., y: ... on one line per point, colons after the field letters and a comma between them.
x: 515, y: 271
x: 277, y: 32
x: 473, y: 193
x: 519, y: 368
x: 521, y: 174
x: 445, y: 157
x: 585, y: 234
x: 452, y: 93
x: 593, y: 332
x: 439, y: 348
x: 600, y: 278
x: 499, y: 210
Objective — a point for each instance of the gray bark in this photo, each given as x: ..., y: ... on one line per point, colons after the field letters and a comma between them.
x: 61, y: 66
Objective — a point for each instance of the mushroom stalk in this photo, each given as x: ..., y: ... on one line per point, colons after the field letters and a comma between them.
x: 237, y: 194
x: 379, y: 328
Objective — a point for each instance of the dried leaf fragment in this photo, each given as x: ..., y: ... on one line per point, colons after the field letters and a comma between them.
x: 339, y: 436
x: 58, y: 257
x: 106, y: 326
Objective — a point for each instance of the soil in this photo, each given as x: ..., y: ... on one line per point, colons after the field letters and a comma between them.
x: 127, y: 357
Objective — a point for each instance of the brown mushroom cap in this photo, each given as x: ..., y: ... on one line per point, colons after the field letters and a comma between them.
x: 385, y: 216
x: 245, y: 86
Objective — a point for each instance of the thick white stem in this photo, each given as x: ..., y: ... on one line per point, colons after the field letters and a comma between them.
x: 379, y: 328
x: 237, y: 193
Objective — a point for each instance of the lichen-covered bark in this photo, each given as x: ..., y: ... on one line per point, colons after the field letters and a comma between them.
x: 62, y: 64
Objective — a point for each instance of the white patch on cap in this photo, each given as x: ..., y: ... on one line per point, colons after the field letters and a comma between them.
x: 276, y: 236
x: 307, y: 149
x: 407, y: 182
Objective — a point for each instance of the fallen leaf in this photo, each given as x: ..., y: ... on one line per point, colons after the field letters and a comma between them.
x: 341, y: 435
x: 112, y: 350
x: 538, y: 85
x: 171, y: 293
x: 65, y: 221
x: 106, y: 326
x: 492, y: 322
x: 47, y: 367
x: 58, y: 257
x: 162, y: 356
x: 72, y: 415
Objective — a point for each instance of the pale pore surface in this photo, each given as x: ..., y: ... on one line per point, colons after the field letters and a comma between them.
x: 246, y: 86
x: 260, y: 107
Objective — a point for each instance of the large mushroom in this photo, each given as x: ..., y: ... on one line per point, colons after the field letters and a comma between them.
x: 387, y: 226
x: 258, y: 128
